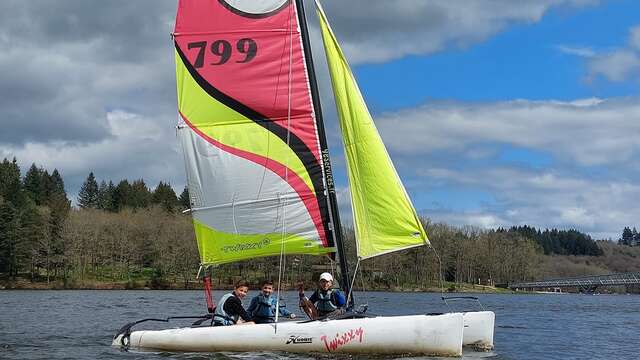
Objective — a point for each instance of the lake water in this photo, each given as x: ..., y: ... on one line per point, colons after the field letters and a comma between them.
x: 80, y: 324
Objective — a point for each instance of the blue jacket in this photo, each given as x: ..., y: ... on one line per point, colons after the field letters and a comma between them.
x: 263, y: 309
x: 329, y: 301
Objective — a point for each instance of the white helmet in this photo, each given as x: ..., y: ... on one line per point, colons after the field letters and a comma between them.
x: 326, y: 276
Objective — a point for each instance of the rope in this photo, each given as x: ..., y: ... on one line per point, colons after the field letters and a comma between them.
x: 282, y: 265
x: 439, y: 269
x: 355, y: 273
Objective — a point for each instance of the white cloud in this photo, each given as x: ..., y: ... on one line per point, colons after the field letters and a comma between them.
x: 622, y: 64
x: 137, y: 147
x: 578, y: 51
x: 634, y: 37
x: 542, y: 199
x: 587, y: 185
x: 391, y: 30
x: 588, y: 131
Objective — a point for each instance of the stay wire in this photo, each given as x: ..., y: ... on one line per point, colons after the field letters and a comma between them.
x: 282, y: 265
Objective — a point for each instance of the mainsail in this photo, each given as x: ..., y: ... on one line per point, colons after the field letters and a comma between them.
x: 384, y: 218
x: 256, y: 161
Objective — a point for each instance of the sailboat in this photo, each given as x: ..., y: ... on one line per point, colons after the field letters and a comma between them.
x: 261, y: 184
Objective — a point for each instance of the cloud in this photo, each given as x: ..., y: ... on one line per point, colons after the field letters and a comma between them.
x: 455, y: 147
x: 66, y: 64
x: 545, y: 199
x: 386, y: 31
x: 618, y: 65
x: 136, y: 147
x: 589, y: 132
x: 578, y: 51
x: 634, y: 37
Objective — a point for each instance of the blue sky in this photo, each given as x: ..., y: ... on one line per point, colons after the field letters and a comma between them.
x: 546, y: 62
x: 522, y: 62
x: 495, y: 112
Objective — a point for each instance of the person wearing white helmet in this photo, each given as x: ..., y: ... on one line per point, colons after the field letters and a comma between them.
x: 327, y: 300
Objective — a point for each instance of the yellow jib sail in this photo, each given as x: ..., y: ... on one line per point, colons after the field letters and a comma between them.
x: 384, y: 218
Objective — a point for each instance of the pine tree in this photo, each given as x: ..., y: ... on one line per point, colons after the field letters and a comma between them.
x: 56, y: 184
x: 8, y: 238
x: 636, y: 237
x: 121, y: 195
x: 105, y: 196
x: 184, y: 199
x: 627, y: 237
x: 34, y: 184
x: 59, y: 207
x: 10, y: 184
x: 165, y: 196
x: 88, y: 195
x: 140, y: 196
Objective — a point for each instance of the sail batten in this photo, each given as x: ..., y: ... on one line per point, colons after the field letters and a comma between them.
x: 384, y: 217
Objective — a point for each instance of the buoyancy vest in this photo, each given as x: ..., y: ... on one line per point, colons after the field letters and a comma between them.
x: 220, y: 316
x: 266, y: 308
x: 325, y: 302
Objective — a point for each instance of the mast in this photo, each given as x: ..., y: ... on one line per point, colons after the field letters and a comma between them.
x: 333, y: 203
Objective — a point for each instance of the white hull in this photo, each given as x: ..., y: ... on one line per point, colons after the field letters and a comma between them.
x: 478, y: 329
x: 419, y: 334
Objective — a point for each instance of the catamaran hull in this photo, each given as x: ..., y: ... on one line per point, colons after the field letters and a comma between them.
x: 420, y: 334
x: 478, y: 330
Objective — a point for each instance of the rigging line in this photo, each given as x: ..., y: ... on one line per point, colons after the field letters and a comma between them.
x: 355, y: 273
x: 364, y: 291
x: 286, y: 171
x: 439, y: 269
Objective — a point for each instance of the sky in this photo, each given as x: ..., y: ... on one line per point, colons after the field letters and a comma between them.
x: 495, y: 112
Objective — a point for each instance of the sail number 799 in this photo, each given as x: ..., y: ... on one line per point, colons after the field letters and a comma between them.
x: 222, y: 50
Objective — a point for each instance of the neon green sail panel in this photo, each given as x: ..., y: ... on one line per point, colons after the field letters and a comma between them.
x: 384, y: 218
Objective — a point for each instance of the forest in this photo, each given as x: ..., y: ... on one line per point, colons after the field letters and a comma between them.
x: 127, y: 235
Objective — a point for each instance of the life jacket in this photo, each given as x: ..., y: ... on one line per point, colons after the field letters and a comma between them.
x: 325, y: 302
x: 265, y: 309
x: 220, y: 317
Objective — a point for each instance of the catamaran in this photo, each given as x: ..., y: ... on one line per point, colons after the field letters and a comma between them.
x: 260, y: 179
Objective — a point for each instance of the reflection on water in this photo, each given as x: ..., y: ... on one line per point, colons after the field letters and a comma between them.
x: 80, y: 324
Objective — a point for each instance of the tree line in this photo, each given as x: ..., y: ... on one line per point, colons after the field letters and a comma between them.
x: 134, y: 195
x: 630, y: 237
x: 558, y: 242
x: 132, y: 235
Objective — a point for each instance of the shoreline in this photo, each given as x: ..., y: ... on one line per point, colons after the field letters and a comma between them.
x: 22, y: 284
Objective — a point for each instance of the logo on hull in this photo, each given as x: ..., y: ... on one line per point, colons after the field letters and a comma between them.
x: 293, y: 339
x: 340, y: 340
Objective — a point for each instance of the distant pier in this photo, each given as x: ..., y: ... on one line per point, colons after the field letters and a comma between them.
x: 583, y: 283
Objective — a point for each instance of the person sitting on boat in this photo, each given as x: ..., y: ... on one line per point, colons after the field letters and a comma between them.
x: 229, y: 310
x: 263, y: 307
x: 327, y: 300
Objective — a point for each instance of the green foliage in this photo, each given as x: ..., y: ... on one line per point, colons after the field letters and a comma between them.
x: 10, y: 184
x: 561, y: 242
x: 184, y: 201
x: 164, y: 196
x: 34, y: 184
x: 106, y: 196
x: 140, y: 196
x: 8, y: 238
x: 32, y: 217
x: 627, y: 237
x: 88, y: 195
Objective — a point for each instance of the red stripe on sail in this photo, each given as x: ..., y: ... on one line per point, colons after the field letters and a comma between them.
x: 281, y: 170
